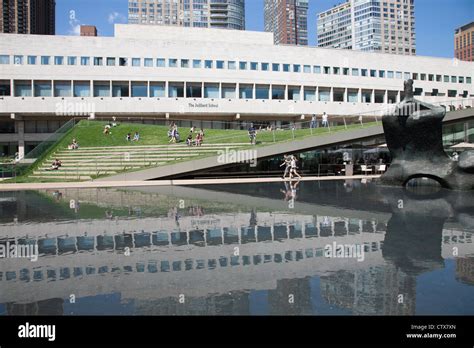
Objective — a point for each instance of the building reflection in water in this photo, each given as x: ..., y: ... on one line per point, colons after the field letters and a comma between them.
x: 281, y: 251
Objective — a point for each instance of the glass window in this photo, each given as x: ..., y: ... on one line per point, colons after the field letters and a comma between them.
x: 265, y: 66
x: 317, y: 69
x: 185, y: 63
x: 446, y: 78
x: 45, y: 60
x: 228, y: 91
x: 407, y: 76
x: 352, y: 96
x: 193, y: 90
x: 296, y: 68
x: 363, y: 72
x: 327, y: 70
x: 278, y: 92
x: 453, y: 79
x: 160, y: 62
x: 373, y: 73
x: 275, y: 67
x: 58, y: 60
x: 82, y: 89
x: 211, y: 90
x: 398, y: 75
x: 423, y: 77
x: 42, y: 88
x: 294, y: 93
x: 382, y: 73
x: 18, y: 60
x: 23, y: 89
x: 345, y: 71
x: 120, y: 89
x: 219, y: 64
x: 468, y: 79
x: 137, y: 61
x: 286, y: 67
x: 85, y: 60
x: 355, y: 72
x: 139, y: 89
x: 157, y: 89
x: 176, y: 90
x: 246, y: 92
x: 62, y: 88
x: 243, y: 65
x: 262, y: 92
x: 123, y: 61
x: 196, y: 63
x: 4, y: 59
x: 335, y: 70
x: 307, y: 69
x: 253, y: 66
x: 98, y: 61
x: 32, y: 60
x: 461, y: 79
x: 101, y: 89
x: 110, y: 61
x: 231, y: 65
x: 390, y: 74
x: 71, y: 60
x: 208, y: 64
x: 172, y: 63
x: 309, y: 94
x: 148, y: 62
x: 324, y: 96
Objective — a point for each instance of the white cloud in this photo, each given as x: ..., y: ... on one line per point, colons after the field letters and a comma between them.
x: 116, y: 17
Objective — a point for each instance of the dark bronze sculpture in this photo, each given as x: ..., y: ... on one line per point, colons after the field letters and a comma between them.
x: 414, y: 137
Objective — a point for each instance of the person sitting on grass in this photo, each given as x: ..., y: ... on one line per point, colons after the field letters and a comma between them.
x: 136, y: 137
x: 55, y: 165
x: 74, y: 145
x: 199, y: 139
x: 107, y: 129
x: 128, y: 137
x: 189, y: 140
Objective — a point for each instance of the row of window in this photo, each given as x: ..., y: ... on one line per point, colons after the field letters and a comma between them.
x: 229, y: 65
x: 161, y: 89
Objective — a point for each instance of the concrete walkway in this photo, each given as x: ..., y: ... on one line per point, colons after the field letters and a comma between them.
x: 105, y: 184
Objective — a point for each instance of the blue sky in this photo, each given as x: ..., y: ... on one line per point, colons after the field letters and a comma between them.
x: 435, y: 19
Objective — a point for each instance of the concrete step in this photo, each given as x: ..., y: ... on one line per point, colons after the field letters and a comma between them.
x: 82, y: 177
x: 73, y: 173
x: 73, y: 153
x: 209, y: 145
x: 118, y: 159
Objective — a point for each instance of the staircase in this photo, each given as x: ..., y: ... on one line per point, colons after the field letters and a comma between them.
x: 88, y: 162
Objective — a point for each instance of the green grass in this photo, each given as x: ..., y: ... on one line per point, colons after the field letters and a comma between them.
x: 90, y: 134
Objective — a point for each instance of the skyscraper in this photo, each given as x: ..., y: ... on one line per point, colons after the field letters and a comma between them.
x: 223, y: 14
x: 386, y: 26
x: 288, y: 20
x: 27, y: 16
x: 464, y: 42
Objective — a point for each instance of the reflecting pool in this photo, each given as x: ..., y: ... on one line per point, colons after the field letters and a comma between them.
x: 308, y: 248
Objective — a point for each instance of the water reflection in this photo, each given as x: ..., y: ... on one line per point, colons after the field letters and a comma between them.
x: 240, y: 249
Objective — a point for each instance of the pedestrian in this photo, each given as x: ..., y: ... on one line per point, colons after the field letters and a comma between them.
x: 325, y: 122
x: 314, y: 122
x: 252, y: 134
x: 293, y: 170
x: 287, y: 164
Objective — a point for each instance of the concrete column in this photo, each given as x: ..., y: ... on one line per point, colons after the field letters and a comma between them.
x: 360, y: 95
x: 20, y: 128
x: 398, y: 96
x: 166, y: 89
x: 331, y: 94
x: 254, y: 92
x: 385, y: 97
x: 372, y: 96
x: 184, y: 90
x: 220, y: 90
x: 345, y: 95
x: 237, y: 90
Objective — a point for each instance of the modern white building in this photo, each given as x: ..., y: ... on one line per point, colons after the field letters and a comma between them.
x: 369, y: 25
x: 159, y: 72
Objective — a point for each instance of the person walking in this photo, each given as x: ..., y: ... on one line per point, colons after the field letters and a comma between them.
x: 293, y: 170
x: 252, y: 134
x: 325, y: 122
x: 287, y: 164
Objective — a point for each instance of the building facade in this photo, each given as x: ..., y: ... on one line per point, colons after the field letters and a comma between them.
x: 464, y: 42
x: 88, y: 30
x: 27, y: 17
x: 287, y: 20
x: 160, y: 72
x: 223, y: 14
x: 386, y: 26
